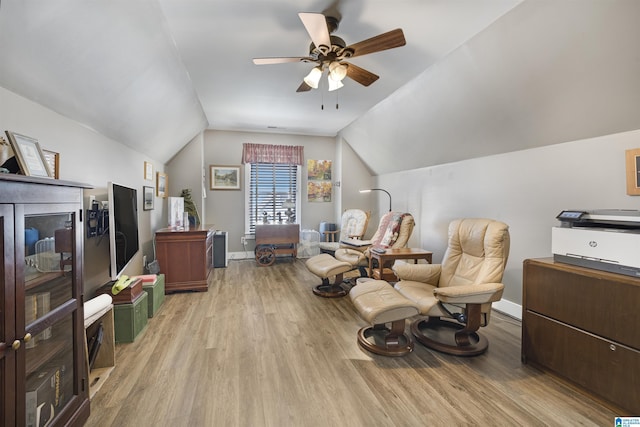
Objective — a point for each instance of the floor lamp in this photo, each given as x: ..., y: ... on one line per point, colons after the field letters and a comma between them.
x: 379, y: 189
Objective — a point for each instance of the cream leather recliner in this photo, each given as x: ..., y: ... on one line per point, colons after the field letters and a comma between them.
x: 462, y: 288
x: 394, y: 231
x: 353, y: 225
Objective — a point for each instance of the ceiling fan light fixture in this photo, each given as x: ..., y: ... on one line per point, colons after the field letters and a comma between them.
x: 334, y: 84
x: 337, y: 71
x: 313, y: 78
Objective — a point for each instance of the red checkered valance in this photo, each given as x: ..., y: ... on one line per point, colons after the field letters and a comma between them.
x: 267, y: 153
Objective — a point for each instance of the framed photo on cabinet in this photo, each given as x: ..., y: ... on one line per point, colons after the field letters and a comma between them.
x: 29, y: 155
x: 53, y: 160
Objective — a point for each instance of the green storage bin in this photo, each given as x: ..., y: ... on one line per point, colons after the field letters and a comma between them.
x: 129, y: 320
x: 156, y: 294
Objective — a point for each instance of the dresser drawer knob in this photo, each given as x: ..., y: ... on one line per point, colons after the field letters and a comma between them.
x: 612, y: 347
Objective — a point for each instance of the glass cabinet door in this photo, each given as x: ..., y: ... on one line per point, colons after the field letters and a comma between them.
x: 50, y: 273
x: 8, y: 341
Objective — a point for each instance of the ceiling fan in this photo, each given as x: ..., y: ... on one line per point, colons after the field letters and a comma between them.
x: 330, y: 53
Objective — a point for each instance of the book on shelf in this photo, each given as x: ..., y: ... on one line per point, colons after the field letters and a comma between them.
x: 45, y: 394
x: 36, y: 306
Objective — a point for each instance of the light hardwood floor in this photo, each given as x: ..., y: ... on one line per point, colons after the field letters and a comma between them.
x: 259, y: 349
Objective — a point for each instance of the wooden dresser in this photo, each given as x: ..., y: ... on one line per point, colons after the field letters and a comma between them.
x: 584, y: 326
x: 185, y: 257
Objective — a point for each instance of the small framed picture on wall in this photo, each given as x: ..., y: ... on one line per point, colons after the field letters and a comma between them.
x: 148, y: 171
x: 633, y: 171
x: 148, y: 198
x: 162, y: 184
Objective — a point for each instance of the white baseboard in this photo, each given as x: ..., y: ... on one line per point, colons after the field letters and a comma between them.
x: 240, y: 255
x: 509, y: 308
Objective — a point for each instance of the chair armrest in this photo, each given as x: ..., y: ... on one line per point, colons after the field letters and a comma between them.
x: 481, y: 293
x: 425, y: 273
x: 356, y: 244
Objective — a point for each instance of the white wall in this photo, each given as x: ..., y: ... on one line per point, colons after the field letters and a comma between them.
x: 545, y: 73
x: 525, y: 189
x: 88, y: 157
x: 354, y: 176
x: 186, y: 171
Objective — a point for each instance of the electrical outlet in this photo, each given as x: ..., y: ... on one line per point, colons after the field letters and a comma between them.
x: 144, y: 261
x: 243, y: 240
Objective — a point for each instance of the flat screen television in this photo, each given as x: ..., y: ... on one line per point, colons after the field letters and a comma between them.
x: 123, y: 227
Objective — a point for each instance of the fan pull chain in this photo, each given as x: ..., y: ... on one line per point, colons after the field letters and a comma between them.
x: 321, y: 97
x: 337, y: 100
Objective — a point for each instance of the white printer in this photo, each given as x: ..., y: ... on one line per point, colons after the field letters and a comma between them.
x: 606, y: 240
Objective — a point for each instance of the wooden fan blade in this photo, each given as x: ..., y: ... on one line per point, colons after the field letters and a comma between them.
x: 388, y: 40
x: 304, y: 87
x: 360, y: 75
x: 316, y: 26
x: 269, y: 61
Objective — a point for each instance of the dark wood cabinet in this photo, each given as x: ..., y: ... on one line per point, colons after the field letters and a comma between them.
x: 43, y: 373
x: 584, y: 326
x: 185, y: 257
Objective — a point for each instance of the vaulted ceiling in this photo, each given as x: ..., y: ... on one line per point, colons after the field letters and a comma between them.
x: 152, y: 74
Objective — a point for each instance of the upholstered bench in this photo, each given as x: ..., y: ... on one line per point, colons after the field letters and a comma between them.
x: 325, y: 266
x: 378, y: 303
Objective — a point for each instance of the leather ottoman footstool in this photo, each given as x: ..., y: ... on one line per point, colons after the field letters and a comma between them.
x: 378, y: 303
x: 325, y: 266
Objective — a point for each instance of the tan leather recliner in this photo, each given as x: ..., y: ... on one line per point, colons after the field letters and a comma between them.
x: 353, y: 225
x: 462, y: 288
x: 394, y: 231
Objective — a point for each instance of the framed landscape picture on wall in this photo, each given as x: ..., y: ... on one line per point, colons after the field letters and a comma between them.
x: 319, y: 185
x: 224, y: 177
x: 162, y: 183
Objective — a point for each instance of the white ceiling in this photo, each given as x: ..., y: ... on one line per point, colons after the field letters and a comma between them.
x: 152, y: 74
x: 218, y: 39
x: 476, y: 77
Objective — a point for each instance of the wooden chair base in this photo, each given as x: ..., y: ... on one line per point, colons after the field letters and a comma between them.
x: 331, y: 290
x: 436, y: 333
x: 381, y: 340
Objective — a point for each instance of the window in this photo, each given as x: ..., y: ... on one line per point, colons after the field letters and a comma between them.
x: 268, y: 185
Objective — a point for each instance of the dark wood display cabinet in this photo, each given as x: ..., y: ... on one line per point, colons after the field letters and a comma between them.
x: 582, y: 325
x: 185, y: 257
x: 43, y: 373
